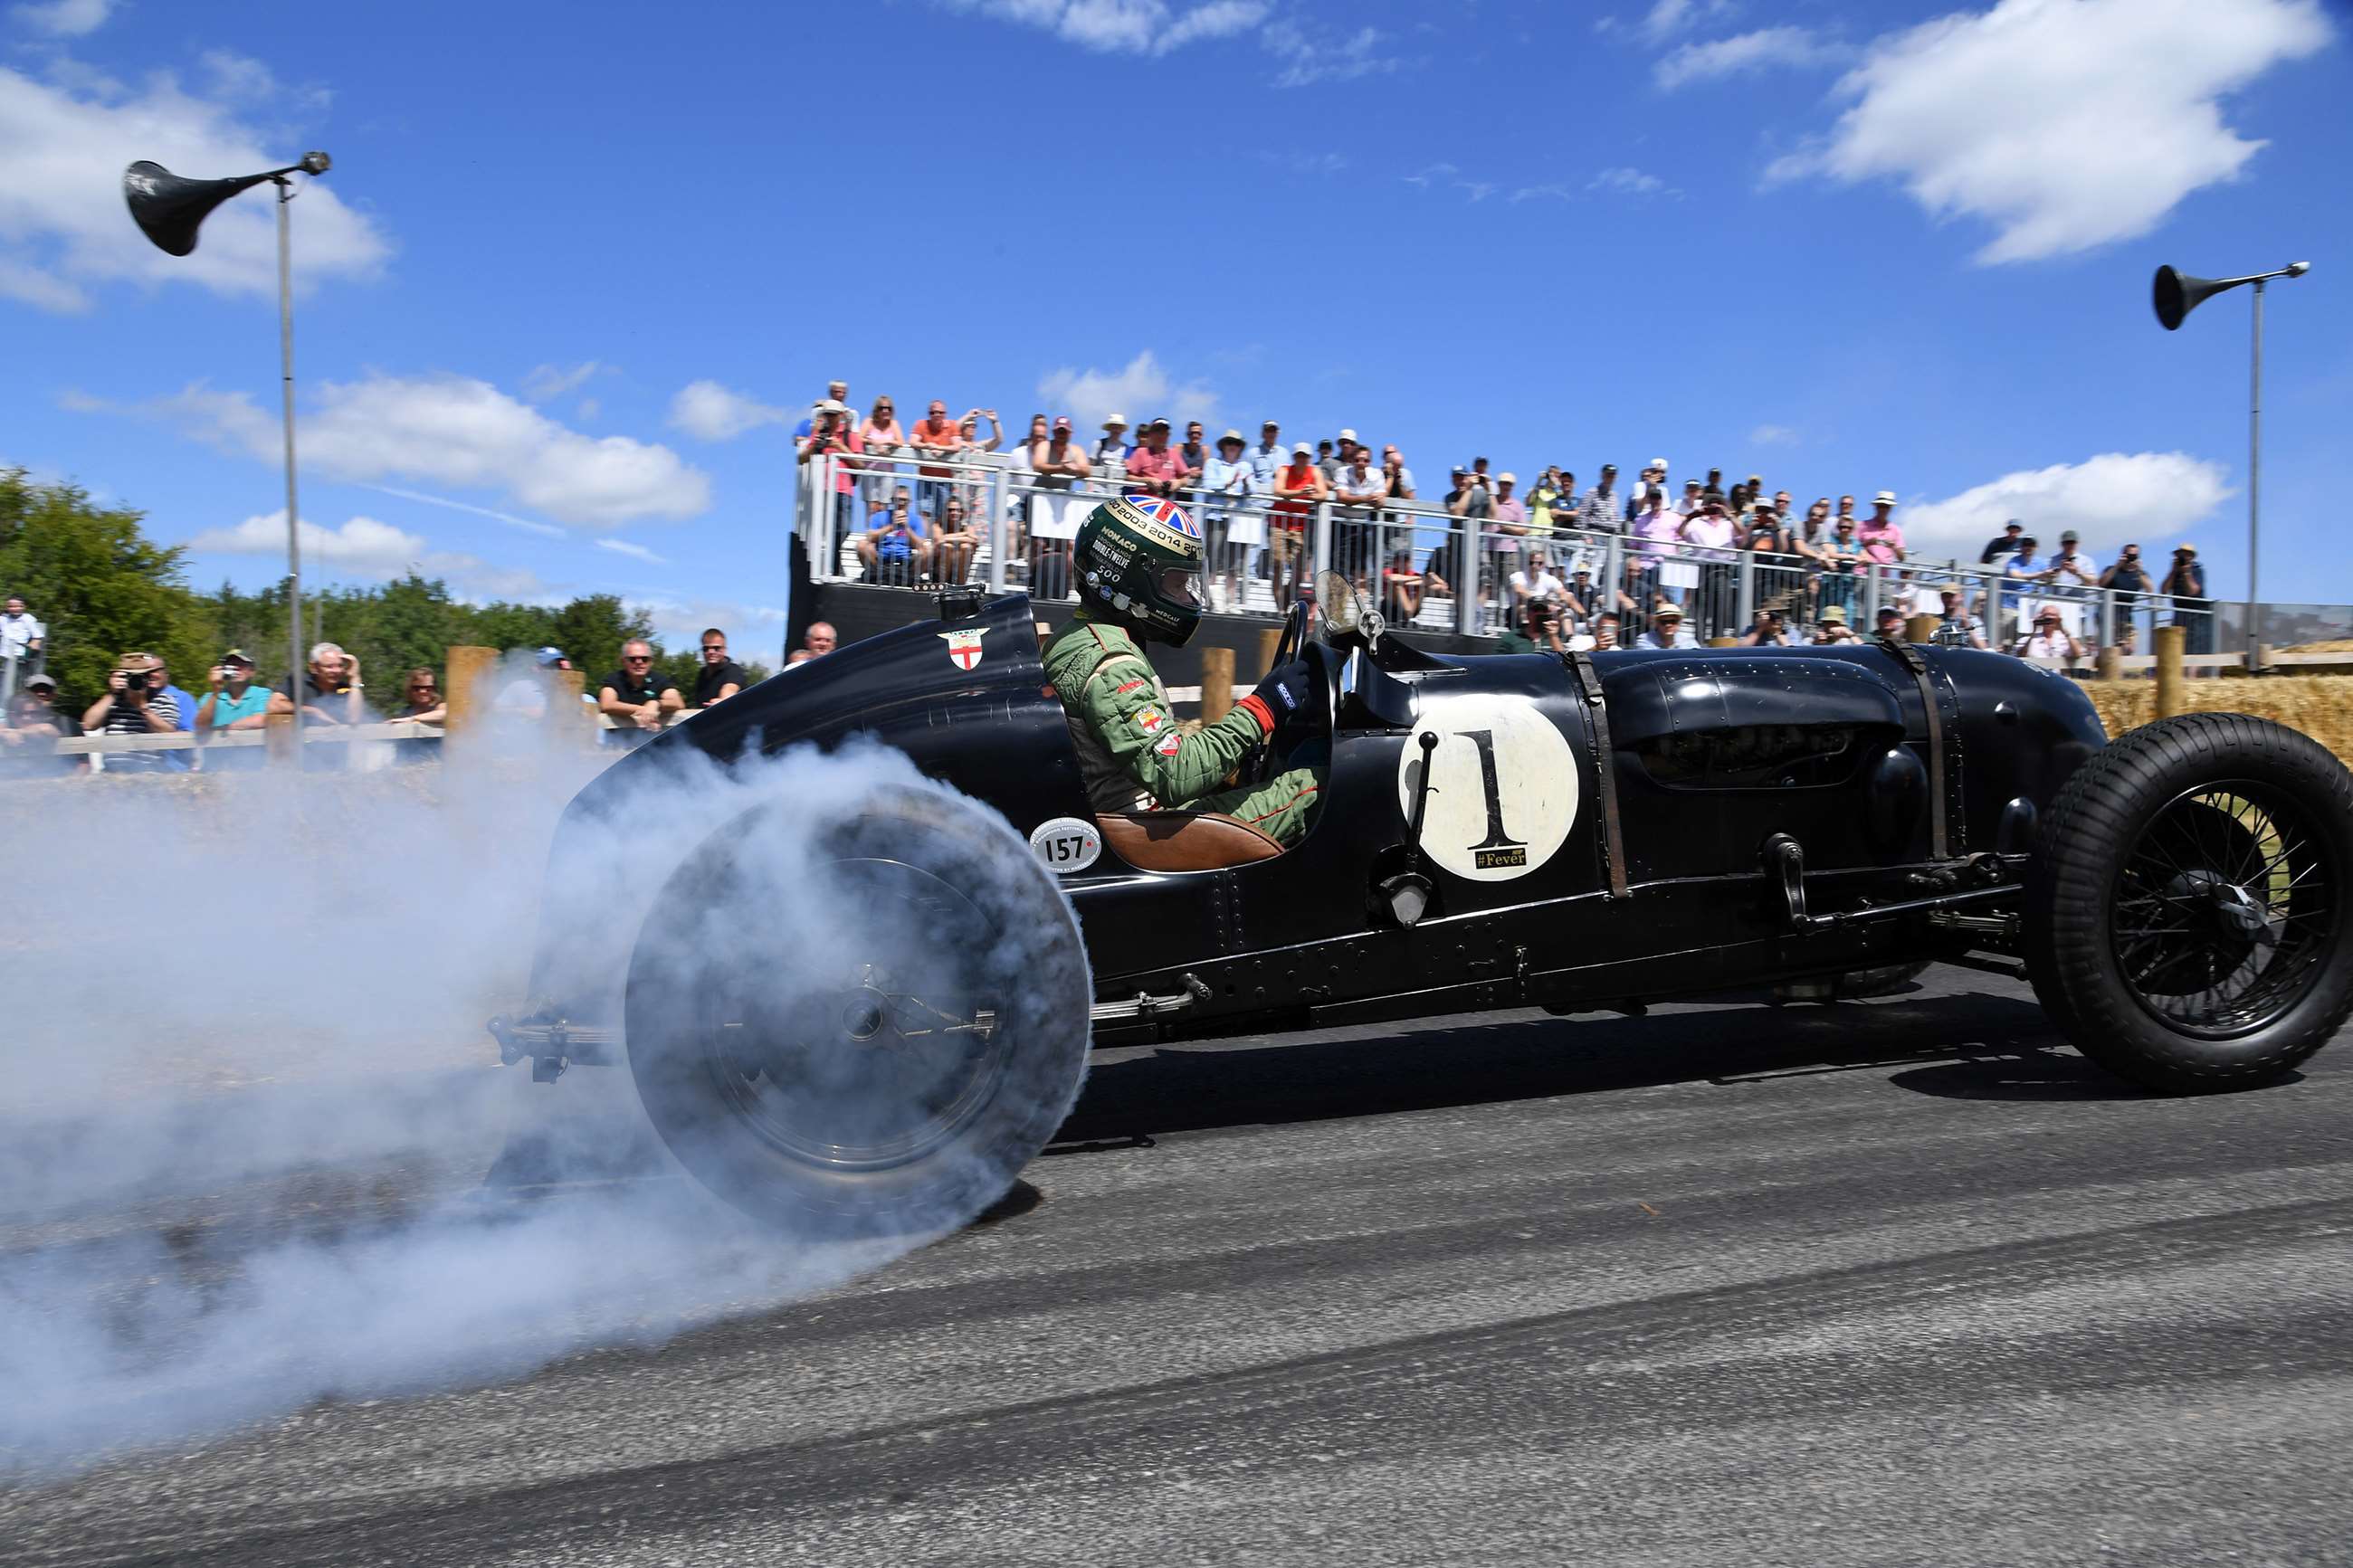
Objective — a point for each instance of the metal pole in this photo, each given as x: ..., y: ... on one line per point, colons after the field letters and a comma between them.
x: 294, y: 514
x: 2254, y: 468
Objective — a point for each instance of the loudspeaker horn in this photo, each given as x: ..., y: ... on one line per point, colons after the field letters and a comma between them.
x: 168, y: 209
x: 2175, y: 294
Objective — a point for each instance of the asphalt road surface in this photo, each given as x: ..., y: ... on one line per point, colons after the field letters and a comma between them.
x: 1899, y: 1281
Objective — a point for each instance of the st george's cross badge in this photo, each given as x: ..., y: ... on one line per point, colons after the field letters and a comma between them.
x: 964, y: 647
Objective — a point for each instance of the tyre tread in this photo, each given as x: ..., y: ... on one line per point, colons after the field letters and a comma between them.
x: 2068, y: 960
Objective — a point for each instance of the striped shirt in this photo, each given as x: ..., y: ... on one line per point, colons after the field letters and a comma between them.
x: 123, y: 719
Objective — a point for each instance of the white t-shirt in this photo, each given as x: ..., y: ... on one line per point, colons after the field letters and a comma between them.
x: 19, y: 634
x: 1545, y: 586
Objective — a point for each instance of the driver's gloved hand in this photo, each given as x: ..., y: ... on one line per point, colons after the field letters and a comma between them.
x: 1278, y: 696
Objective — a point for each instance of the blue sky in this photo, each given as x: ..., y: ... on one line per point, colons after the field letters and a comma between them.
x: 1845, y: 246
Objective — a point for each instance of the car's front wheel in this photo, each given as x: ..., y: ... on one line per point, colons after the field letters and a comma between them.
x: 2185, y: 917
x: 861, y: 1027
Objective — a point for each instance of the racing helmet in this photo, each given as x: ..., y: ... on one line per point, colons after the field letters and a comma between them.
x: 1139, y: 564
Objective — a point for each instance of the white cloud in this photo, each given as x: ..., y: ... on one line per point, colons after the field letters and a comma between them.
x: 547, y: 382
x: 1773, y: 435
x: 1630, y: 183
x: 64, y: 19
x: 1555, y: 192
x: 449, y: 430
x: 634, y: 552
x: 1141, y: 390
x: 1125, y: 27
x: 1746, y: 51
x: 2112, y: 500
x: 62, y: 225
x: 377, y: 552
x: 363, y: 547
x: 2064, y: 123
x: 710, y: 411
x: 1668, y: 17
x: 1311, y: 61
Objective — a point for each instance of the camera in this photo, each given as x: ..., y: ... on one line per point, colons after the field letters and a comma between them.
x: 134, y: 682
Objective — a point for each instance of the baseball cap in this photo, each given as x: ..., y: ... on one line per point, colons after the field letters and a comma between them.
x: 41, y: 679
x: 1887, y: 611
x: 1834, y: 614
x: 1666, y: 613
x: 1608, y: 468
x: 1301, y: 449
x: 1062, y: 422
x: 1158, y: 423
x: 1883, y: 498
x: 2070, y: 537
x: 1270, y: 424
x: 238, y: 656
x: 1659, y: 463
x: 548, y: 658
x: 1507, y: 479
x: 1347, y: 435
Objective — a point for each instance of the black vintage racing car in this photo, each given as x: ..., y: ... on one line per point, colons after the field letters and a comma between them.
x: 1578, y: 833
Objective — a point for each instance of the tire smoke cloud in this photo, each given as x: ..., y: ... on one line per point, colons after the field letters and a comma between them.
x: 251, y: 1100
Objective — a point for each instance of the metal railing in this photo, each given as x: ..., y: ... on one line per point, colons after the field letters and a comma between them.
x: 1439, y: 572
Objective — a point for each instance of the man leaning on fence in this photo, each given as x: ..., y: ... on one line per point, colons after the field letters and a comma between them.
x: 719, y: 676
x: 329, y: 690
x: 636, y: 697
x: 31, y: 730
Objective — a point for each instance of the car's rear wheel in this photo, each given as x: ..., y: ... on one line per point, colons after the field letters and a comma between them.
x: 860, y: 1027
x: 2185, y: 916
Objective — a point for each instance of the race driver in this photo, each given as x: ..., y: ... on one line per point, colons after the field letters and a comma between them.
x: 1138, y: 563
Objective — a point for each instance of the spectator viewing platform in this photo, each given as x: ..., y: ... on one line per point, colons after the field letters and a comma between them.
x: 1663, y: 561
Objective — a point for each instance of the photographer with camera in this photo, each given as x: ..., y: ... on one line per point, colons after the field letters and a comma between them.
x: 135, y: 704
x: 234, y: 702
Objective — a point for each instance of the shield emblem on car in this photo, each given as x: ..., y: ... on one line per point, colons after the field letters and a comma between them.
x: 964, y: 647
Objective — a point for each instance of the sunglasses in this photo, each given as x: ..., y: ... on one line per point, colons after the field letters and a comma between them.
x: 715, y: 647
x: 636, y: 658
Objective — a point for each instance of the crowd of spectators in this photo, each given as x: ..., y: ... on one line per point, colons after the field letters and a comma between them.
x: 141, y: 699
x: 1534, y: 557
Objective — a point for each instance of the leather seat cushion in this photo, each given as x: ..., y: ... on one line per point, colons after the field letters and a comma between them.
x: 1182, y: 840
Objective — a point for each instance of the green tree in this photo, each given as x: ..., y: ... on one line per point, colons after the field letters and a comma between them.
x: 101, y: 586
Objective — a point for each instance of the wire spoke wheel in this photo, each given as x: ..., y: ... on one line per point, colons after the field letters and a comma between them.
x: 2225, y: 910
x: 2184, y: 917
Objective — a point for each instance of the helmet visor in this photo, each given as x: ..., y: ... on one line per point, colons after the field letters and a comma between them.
x: 1181, y: 585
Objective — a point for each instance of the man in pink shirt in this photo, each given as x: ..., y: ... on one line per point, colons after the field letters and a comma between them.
x: 1882, y: 539
x: 1156, y: 467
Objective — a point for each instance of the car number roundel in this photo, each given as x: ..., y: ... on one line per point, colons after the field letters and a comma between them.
x: 1066, y: 843
x: 1502, y: 786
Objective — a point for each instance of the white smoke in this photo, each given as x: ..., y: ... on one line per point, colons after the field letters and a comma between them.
x: 226, y: 983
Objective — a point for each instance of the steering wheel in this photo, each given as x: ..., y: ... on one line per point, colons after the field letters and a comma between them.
x: 1293, y: 638
x: 1286, y: 648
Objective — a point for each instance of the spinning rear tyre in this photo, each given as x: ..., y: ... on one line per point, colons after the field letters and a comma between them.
x: 864, y: 1026
x: 2185, y: 915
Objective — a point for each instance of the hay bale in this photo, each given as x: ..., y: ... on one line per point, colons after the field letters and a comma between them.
x: 2320, y: 705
